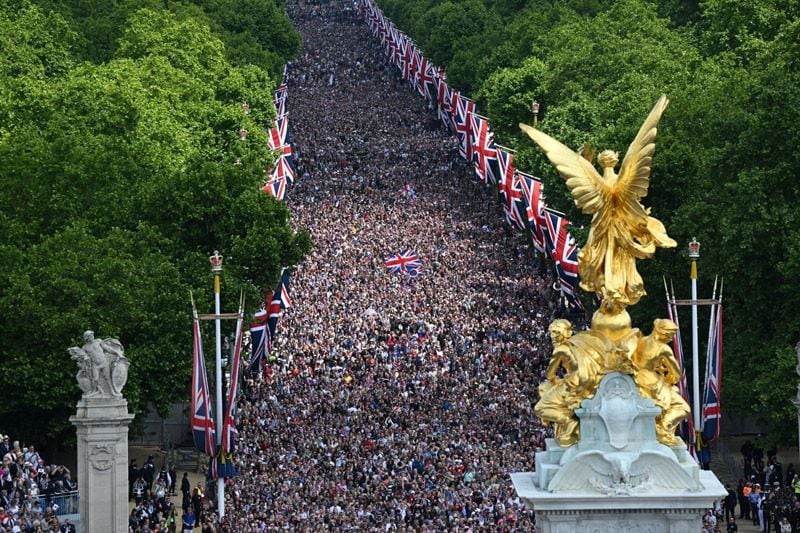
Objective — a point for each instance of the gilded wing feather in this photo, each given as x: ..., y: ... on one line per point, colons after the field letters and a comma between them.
x: 583, y: 181
x: 634, y: 175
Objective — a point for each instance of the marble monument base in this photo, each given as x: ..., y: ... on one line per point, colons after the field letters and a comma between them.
x: 618, y: 478
x: 102, y: 429
x: 589, y: 512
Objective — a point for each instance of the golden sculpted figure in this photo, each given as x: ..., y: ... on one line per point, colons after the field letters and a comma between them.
x: 580, y: 358
x: 622, y: 231
x: 657, y: 375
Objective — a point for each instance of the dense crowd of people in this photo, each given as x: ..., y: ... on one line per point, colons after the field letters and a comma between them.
x: 34, y: 494
x: 395, y: 403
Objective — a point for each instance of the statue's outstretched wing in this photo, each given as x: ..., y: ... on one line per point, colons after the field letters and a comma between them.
x: 583, y: 181
x: 634, y: 175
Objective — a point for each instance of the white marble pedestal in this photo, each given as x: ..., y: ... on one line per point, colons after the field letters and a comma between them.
x: 618, y: 478
x: 102, y: 428
x: 590, y: 512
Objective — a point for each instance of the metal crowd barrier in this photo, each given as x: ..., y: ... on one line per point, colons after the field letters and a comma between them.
x: 67, y: 502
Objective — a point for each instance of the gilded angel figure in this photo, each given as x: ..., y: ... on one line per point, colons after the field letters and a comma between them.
x: 622, y: 229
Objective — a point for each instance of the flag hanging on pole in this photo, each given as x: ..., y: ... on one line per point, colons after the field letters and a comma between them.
x: 258, y: 342
x: 534, y: 203
x: 510, y: 190
x: 202, y: 423
x: 229, y: 423
x: 463, y: 108
x: 279, y: 134
x: 713, y: 381
x: 277, y: 304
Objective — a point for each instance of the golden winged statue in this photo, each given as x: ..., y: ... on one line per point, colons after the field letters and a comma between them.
x: 622, y: 229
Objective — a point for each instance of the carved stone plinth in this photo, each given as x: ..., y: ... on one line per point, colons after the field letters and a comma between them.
x: 102, y: 429
x: 618, y: 477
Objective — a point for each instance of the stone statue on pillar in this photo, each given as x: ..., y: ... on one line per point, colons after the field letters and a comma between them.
x: 102, y: 366
x: 102, y: 421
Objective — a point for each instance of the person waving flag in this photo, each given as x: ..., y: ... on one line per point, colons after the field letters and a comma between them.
x: 406, y: 262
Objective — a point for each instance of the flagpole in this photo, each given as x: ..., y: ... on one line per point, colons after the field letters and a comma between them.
x: 216, y: 268
x: 694, y: 255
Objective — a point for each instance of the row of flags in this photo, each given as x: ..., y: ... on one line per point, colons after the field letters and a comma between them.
x: 262, y: 330
x: 520, y: 194
x: 282, y: 172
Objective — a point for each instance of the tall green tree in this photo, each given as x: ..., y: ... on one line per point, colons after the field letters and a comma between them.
x: 117, y: 180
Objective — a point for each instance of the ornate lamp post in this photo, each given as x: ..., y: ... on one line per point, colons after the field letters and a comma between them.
x: 246, y: 108
x: 694, y: 255
x: 216, y: 269
x: 535, y: 109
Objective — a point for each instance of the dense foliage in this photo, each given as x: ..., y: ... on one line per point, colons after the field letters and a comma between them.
x: 119, y: 133
x: 727, y: 162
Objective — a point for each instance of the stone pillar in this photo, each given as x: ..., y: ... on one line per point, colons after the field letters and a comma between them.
x: 102, y: 428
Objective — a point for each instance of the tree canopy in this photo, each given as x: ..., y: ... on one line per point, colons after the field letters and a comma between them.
x: 726, y: 160
x: 118, y: 178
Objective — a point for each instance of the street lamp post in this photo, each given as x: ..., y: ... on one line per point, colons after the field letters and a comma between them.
x: 694, y: 255
x: 535, y: 109
x: 216, y: 268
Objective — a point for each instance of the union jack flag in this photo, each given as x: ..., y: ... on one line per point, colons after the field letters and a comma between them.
x: 413, y: 66
x: 443, y: 98
x: 391, y: 48
x: 511, y: 191
x: 564, y: 252
x: 276, y: 187
x: 484, y: 151
x: 407, y: 59
x: 556, y: 229
x: 464, y: 107
x: 405, y: 261
x: 285, y: 163
x: 280, y: 99
x: 284, y: 166
x: 424, y: 77
x: 713, y: 393
x: 265, y: 323
x: 534, y: 208
x: 258, y: 341
x: 202, y: 423
x: 402, y: 55
x: 279, y: 135
x: 229, y: 431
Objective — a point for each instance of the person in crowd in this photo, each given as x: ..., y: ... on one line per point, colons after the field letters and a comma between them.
x: 133, y: 475
x: 730, y: 504
x: 148, y: 473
